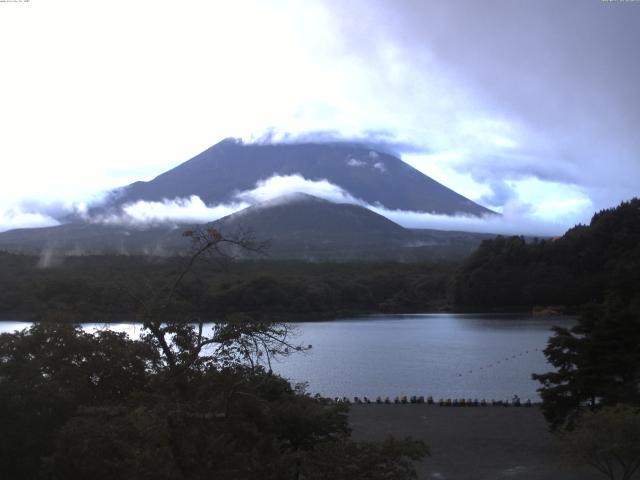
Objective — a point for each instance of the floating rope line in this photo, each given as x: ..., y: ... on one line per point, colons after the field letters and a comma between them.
x: 499, y: 362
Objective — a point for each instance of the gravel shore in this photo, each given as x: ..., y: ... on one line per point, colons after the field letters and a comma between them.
x: 472, y: 443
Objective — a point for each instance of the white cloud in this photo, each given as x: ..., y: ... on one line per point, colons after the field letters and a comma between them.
x: 518, y: 218
x: 380, y: 166
x: 194, y: 210
x: 551, y: 213
x: 506, y: 224
x: 86, y: 141
x: 283, y: 185
x: 178, y: 210
x: 353, y: 162
x: 71, y: 128
x: 18, y: 217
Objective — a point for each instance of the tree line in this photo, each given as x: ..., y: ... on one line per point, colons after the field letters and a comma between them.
x: 98, y: 287
x: 584, y: 265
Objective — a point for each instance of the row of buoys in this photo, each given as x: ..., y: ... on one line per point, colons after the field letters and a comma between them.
x: 455, y: 402
x: 498, y: 362
x: 483, y: 403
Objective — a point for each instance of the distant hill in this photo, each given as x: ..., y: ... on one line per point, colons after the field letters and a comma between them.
x: 229, y: 167
x: 300, y: 216
x: 297, y: 226
x: 584, y: 265
x: 305, y: 227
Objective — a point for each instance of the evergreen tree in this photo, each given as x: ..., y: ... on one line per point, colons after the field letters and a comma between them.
x: 597, y: 362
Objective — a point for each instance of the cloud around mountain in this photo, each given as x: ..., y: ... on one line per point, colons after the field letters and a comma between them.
x: 280, y: 188
x: 17, y: 216
x: 178, y: 210
x: 279, y: 185
x: 231, y: 176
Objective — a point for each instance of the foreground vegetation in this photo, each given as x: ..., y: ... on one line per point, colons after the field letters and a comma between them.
x: 607, y: 439
x: 80, y: 405
x: 181, y: 402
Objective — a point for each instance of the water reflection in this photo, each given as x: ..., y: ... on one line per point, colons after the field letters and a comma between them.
x: 442, y: 355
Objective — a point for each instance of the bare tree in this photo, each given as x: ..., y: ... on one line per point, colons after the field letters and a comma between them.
x: 190, y: 342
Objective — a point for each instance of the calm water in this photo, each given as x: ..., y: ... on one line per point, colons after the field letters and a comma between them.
x: 444, y: 355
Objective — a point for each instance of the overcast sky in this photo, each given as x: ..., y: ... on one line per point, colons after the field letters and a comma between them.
x: 528, y: 107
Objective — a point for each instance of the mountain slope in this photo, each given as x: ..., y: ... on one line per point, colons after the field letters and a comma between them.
x: 229, y: 167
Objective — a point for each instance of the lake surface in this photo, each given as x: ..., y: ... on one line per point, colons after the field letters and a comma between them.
x: 443, y: 355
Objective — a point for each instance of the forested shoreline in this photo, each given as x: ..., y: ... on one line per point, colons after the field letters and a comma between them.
x: 103, y: 288
x: 504, y: 274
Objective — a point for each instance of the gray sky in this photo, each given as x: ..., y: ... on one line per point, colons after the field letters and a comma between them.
x: 529, y: 107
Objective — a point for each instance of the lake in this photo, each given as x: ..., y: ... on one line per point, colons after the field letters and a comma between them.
x: 443, y: 355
